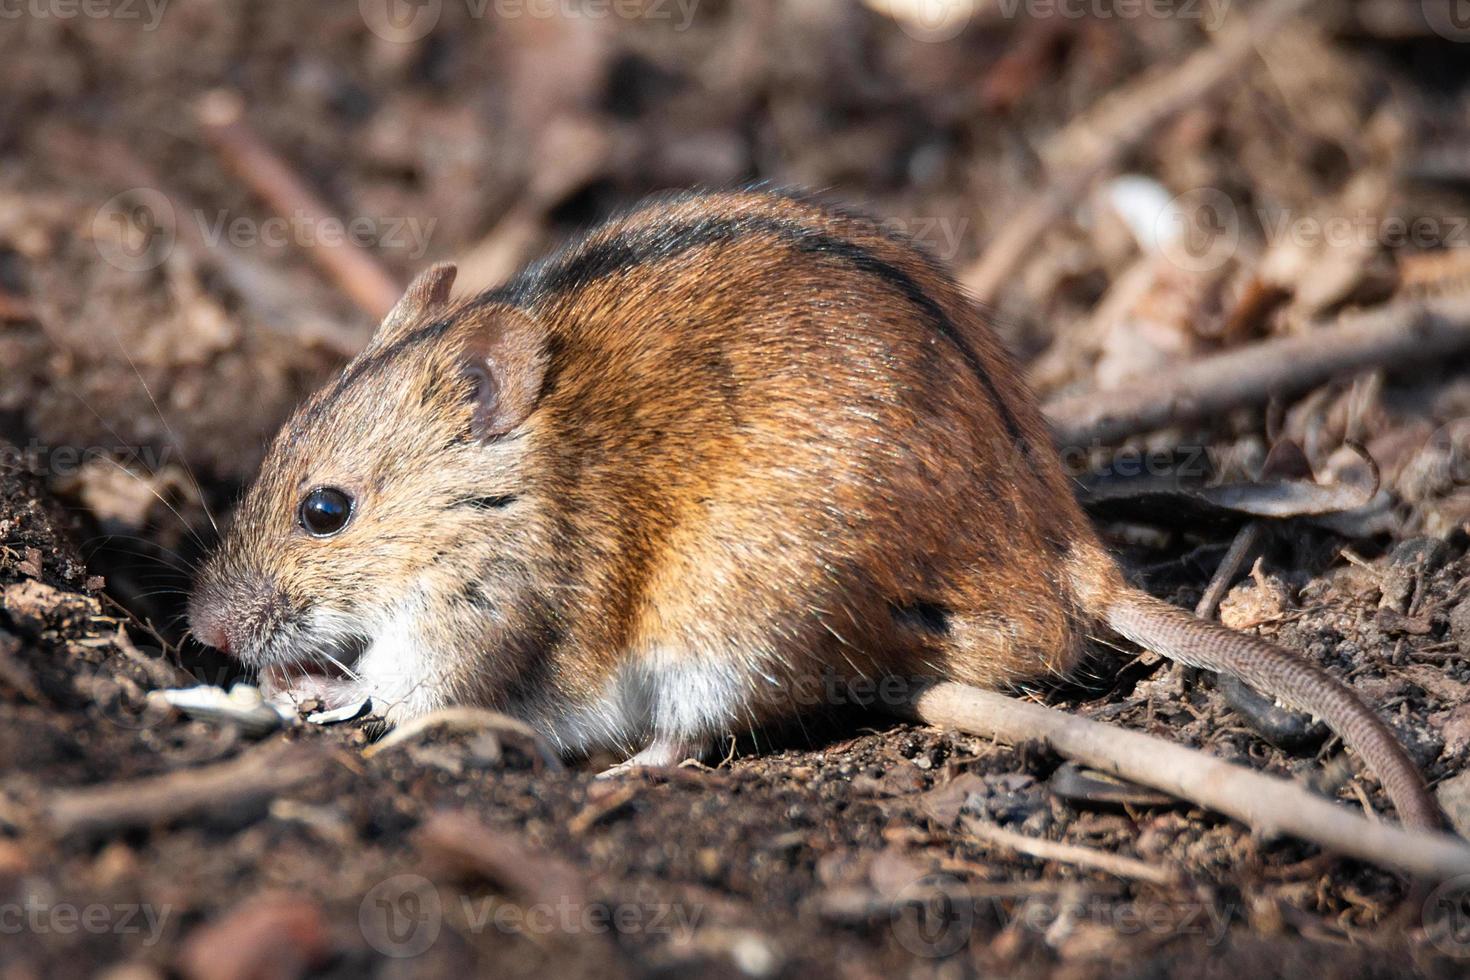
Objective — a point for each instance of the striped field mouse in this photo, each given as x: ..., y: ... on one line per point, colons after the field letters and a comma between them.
x: 671, y: 482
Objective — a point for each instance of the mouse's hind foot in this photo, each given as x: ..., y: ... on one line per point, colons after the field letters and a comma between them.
x: 661, y: 753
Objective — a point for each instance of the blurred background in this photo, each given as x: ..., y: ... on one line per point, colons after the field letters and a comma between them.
x: 206, y: 206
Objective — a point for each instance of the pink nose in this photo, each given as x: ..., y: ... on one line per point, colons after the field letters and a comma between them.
x: 214, y: 636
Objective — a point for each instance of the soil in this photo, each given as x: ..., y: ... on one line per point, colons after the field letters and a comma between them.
x: 138, y: 382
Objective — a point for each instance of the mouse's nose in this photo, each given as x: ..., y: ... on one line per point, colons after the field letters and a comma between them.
x: 212, y: 635
x: 234, y: 616
x: 208, y: 623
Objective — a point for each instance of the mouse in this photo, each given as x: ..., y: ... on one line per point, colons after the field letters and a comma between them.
x: 671, y: 482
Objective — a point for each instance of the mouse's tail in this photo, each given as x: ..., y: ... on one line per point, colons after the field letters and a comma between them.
x: 1290, y: 679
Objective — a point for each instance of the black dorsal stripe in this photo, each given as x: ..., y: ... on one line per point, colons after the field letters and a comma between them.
x: 589, y: 262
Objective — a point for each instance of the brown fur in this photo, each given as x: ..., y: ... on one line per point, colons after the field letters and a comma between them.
x: 723, y: 450
x: 751, y: 446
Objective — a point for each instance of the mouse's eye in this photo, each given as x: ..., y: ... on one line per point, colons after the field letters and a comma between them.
x: 325, y: 511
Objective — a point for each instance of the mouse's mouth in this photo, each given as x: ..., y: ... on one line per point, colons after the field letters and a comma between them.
x: 324, y: 673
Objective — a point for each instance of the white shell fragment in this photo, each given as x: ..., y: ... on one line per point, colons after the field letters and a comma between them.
x: 1144, y: 204
x: 348, y: 712
x: 243, y: 707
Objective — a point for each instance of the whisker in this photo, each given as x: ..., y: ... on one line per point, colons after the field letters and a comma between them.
x: 121, y: 441
x: 178, y: 446
x: 351, y: 674
x: 185, y: 564
x: 161, y: 499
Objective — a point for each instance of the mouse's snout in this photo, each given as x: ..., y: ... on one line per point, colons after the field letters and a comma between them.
x: 239, y: 617
x: 212, y: 634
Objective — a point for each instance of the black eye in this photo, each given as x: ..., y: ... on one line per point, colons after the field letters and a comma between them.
x: 325, y: 511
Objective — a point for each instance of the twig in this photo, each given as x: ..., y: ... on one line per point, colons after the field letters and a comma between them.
x: 1389, y: 336
x: 356, y: 272
x: 1095, y: 143
x: 1241, y: 549
x: 1267, y: 804
x: 1085, y: 857
x: 234, y: 788
x: 461, y: 843
x: 467, y: 720
x: 1281, y: 726
x: 603, y: 800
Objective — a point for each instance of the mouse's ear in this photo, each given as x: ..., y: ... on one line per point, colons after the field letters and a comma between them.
x: 428, y: 291
x: 504, y: 356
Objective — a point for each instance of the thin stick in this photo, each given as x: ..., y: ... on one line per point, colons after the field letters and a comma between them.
x: 464, y: 719
x: 1084, y: 857
x: 1245, y: 544
x: 1268, y: 805
x: 245, y: 783
x: 356, y: 272
x: 1390, y: 336
x: 462, y: 843
x: 1095, y: 143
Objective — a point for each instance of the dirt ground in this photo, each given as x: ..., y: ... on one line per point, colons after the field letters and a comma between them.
x: 159, y: 317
